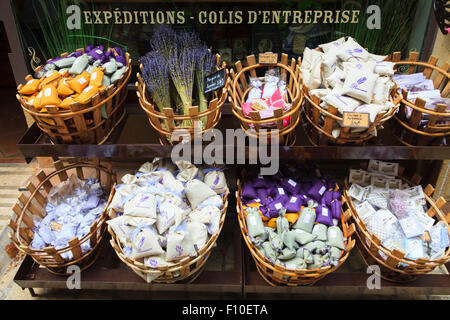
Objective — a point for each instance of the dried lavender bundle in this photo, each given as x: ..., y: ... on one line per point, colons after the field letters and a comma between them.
x: 156, y: 76
x: 163, y: 40
x: 182, y: 69
x: 188, y: 40
x: 205, y: 64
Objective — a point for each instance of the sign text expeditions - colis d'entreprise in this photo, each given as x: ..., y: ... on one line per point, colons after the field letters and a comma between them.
x: 118, y: 16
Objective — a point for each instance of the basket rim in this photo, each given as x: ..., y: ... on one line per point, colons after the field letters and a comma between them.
x: 176, y: 117
x: 423, y: 133
x: 286, y: 130
x: 100, y: 222
x: 427, y: 65
x: 68, y: 113
x: 322, y: 271
x: 134, y: 264
x: 368, y: 235
x: 426, y: 110
x: 386, y: 114
x: 383, y: 263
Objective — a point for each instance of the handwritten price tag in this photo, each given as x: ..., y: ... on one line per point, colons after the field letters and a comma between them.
x: 356, y: 120
x: 268, y: 58
x: 55, y: 226
x: 215, y: 81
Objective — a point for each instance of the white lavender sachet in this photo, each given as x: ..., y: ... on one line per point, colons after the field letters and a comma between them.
x: 164, y: 215
x: 348, y: 77
x: 72, y: 206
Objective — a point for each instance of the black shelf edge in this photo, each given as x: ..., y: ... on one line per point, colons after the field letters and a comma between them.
x: 135, y: 139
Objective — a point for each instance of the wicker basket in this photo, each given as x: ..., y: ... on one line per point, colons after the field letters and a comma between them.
x: 408, y: 131
x: 83, y: 124
x: 165, y: 123
x: 277, y: 275
x: 240, y: 87
x: 184, y: 271
x: 370, y: 245
x: 319, y: 122
x: 32, y: 203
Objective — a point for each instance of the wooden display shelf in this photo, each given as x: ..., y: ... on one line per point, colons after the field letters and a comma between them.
x: 134, y: 138
x: 109, y: 273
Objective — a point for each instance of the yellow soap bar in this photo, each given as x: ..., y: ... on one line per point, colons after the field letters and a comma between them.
x: 80, y: 82
x: 64, y: 89
x: 50, y: 96
x: 30, y: 87
x: 87, y: 94
x: 65, y: 104
x: 51, y: 79
x: 96, y: 77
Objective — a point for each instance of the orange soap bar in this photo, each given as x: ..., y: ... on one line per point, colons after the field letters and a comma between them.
x: 64, y: 89
x: 80, y: 82
x: 50, y: 96
x: 30, y: 87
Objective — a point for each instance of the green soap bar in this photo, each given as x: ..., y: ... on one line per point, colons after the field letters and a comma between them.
x: 65, y: 63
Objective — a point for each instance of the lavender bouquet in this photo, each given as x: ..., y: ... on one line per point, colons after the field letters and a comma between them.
x: 177, y: 63
x: 205, y: 65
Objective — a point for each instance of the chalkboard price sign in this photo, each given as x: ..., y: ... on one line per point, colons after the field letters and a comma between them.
x: 215, y: 81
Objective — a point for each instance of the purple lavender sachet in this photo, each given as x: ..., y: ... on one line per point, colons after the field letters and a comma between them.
x: 75, y: 54
x: 317, y: 190
x: 263, y: 182
x: 337, y: 195
x: 324, y: 215
x: 336, y: 206
x: 263, y: 194
x: 249, y: 192
x: 290, y: 186
x: 275, y: 208
x: 327, y: 197
x: 120, y: 57
x: 294, y: 204
x: 264, y: 211
x: 97, y: 54
x: 277, y: 192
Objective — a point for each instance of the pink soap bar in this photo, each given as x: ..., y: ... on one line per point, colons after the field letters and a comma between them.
x: 246, y: 108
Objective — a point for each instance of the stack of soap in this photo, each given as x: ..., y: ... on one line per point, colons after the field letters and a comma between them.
x: 348, y: 77
x: 292, y: 217
x: 397, y: 213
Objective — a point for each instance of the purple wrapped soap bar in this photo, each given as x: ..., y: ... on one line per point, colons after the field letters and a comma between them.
x: 324, y: 215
